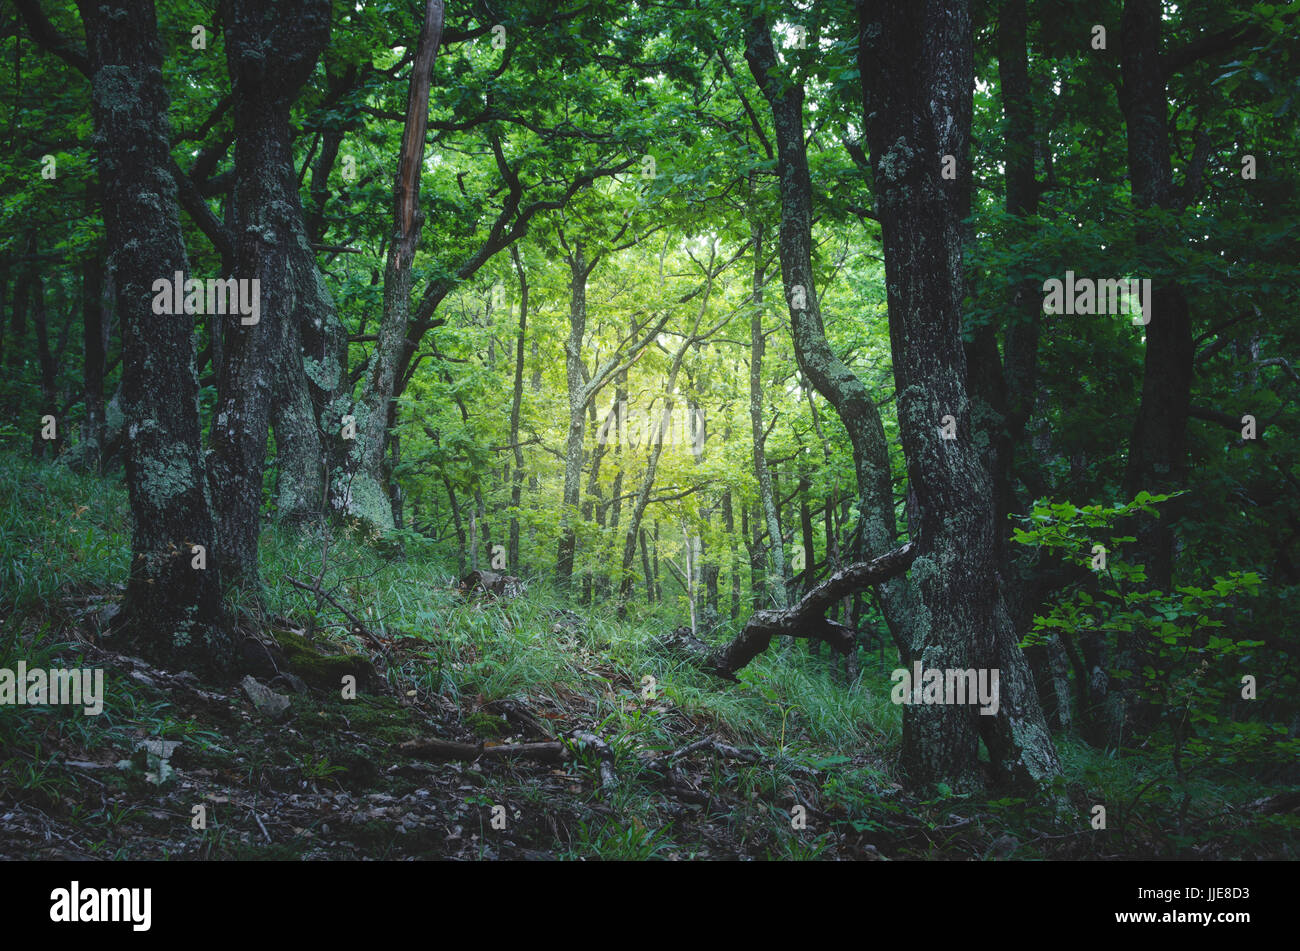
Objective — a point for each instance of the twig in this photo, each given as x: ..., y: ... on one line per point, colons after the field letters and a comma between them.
x: 358, y: 625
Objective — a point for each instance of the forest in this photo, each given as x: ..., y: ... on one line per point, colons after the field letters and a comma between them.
x: 665, y: 429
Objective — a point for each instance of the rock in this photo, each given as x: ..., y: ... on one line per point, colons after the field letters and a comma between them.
x: 270, y: 704
x: 292, y: 681
x: 1004, y: 845
x: 105, y: 617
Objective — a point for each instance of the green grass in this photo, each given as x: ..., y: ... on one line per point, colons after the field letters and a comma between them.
x: 64, y: 547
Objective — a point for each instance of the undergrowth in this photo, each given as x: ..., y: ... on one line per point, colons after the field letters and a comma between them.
x: 817, y: 744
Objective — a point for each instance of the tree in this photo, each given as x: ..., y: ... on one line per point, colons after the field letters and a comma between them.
x: 916, y: 66
x: 269, y: 216
x: 172, y: 606
x: 817, y: 361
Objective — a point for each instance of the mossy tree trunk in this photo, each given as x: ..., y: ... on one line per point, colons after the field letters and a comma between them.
x: 271, y: 49
x: 357, y: 486
x: 916, y: 62
x: 172, y: 609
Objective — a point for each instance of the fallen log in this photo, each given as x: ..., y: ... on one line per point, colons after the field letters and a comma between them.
x: 805, y: 619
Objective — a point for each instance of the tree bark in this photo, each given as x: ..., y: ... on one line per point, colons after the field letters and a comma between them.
x: 819, y: 364
x: 1158, y: 447
x: 48, y: 376
x: 171, y: 610
x: 807, y: 618
x: 93, y: 358
x: 257, y: 357
x: 357, y: 487
x: 516, y: 400
x: 916, y: 62
x: 729, y: 525
x: 766, y: 495
x: 579, y: 396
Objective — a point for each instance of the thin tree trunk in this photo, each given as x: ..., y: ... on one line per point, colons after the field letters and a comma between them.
x: 18, y: 313
x: 729, y: 524
x: 48, y: 381
x: 645, y: 570
x: 460, y: 527
x: 579, y: 270
x: 766, y: 495
x: 757, y: 558
x: 357, y: 487
x: 658, y: 588
x: 516, y: 400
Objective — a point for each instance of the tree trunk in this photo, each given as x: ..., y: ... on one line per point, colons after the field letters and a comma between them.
x: 819, y: 364
x: 757, y: 558
x: 48, y: 378
x: 654, y: 560
x: 645, y: 569
x: 93, y: 334
x: 729, y: 524
x: 593, y: 507
x: 357, y: 486
x: 258, y: 357
x: 916, y: 63
x: 620, y: 399
x: 516, y: 400
x: 171, y: 610
x: 1158, y: 447
x: 766, y: 495
x: 579, y: 270
x: 18, y: 312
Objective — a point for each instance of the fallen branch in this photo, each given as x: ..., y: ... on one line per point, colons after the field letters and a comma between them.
x: 807, y: 618
x: 606, y: 754
x: 358, y: 625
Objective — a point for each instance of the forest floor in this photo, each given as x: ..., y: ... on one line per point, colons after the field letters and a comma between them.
x: 579, y: 736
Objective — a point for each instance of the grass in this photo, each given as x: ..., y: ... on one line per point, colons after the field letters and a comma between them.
x: 64, y: 553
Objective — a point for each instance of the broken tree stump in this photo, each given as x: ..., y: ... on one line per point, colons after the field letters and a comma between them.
x: 489, y: 582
